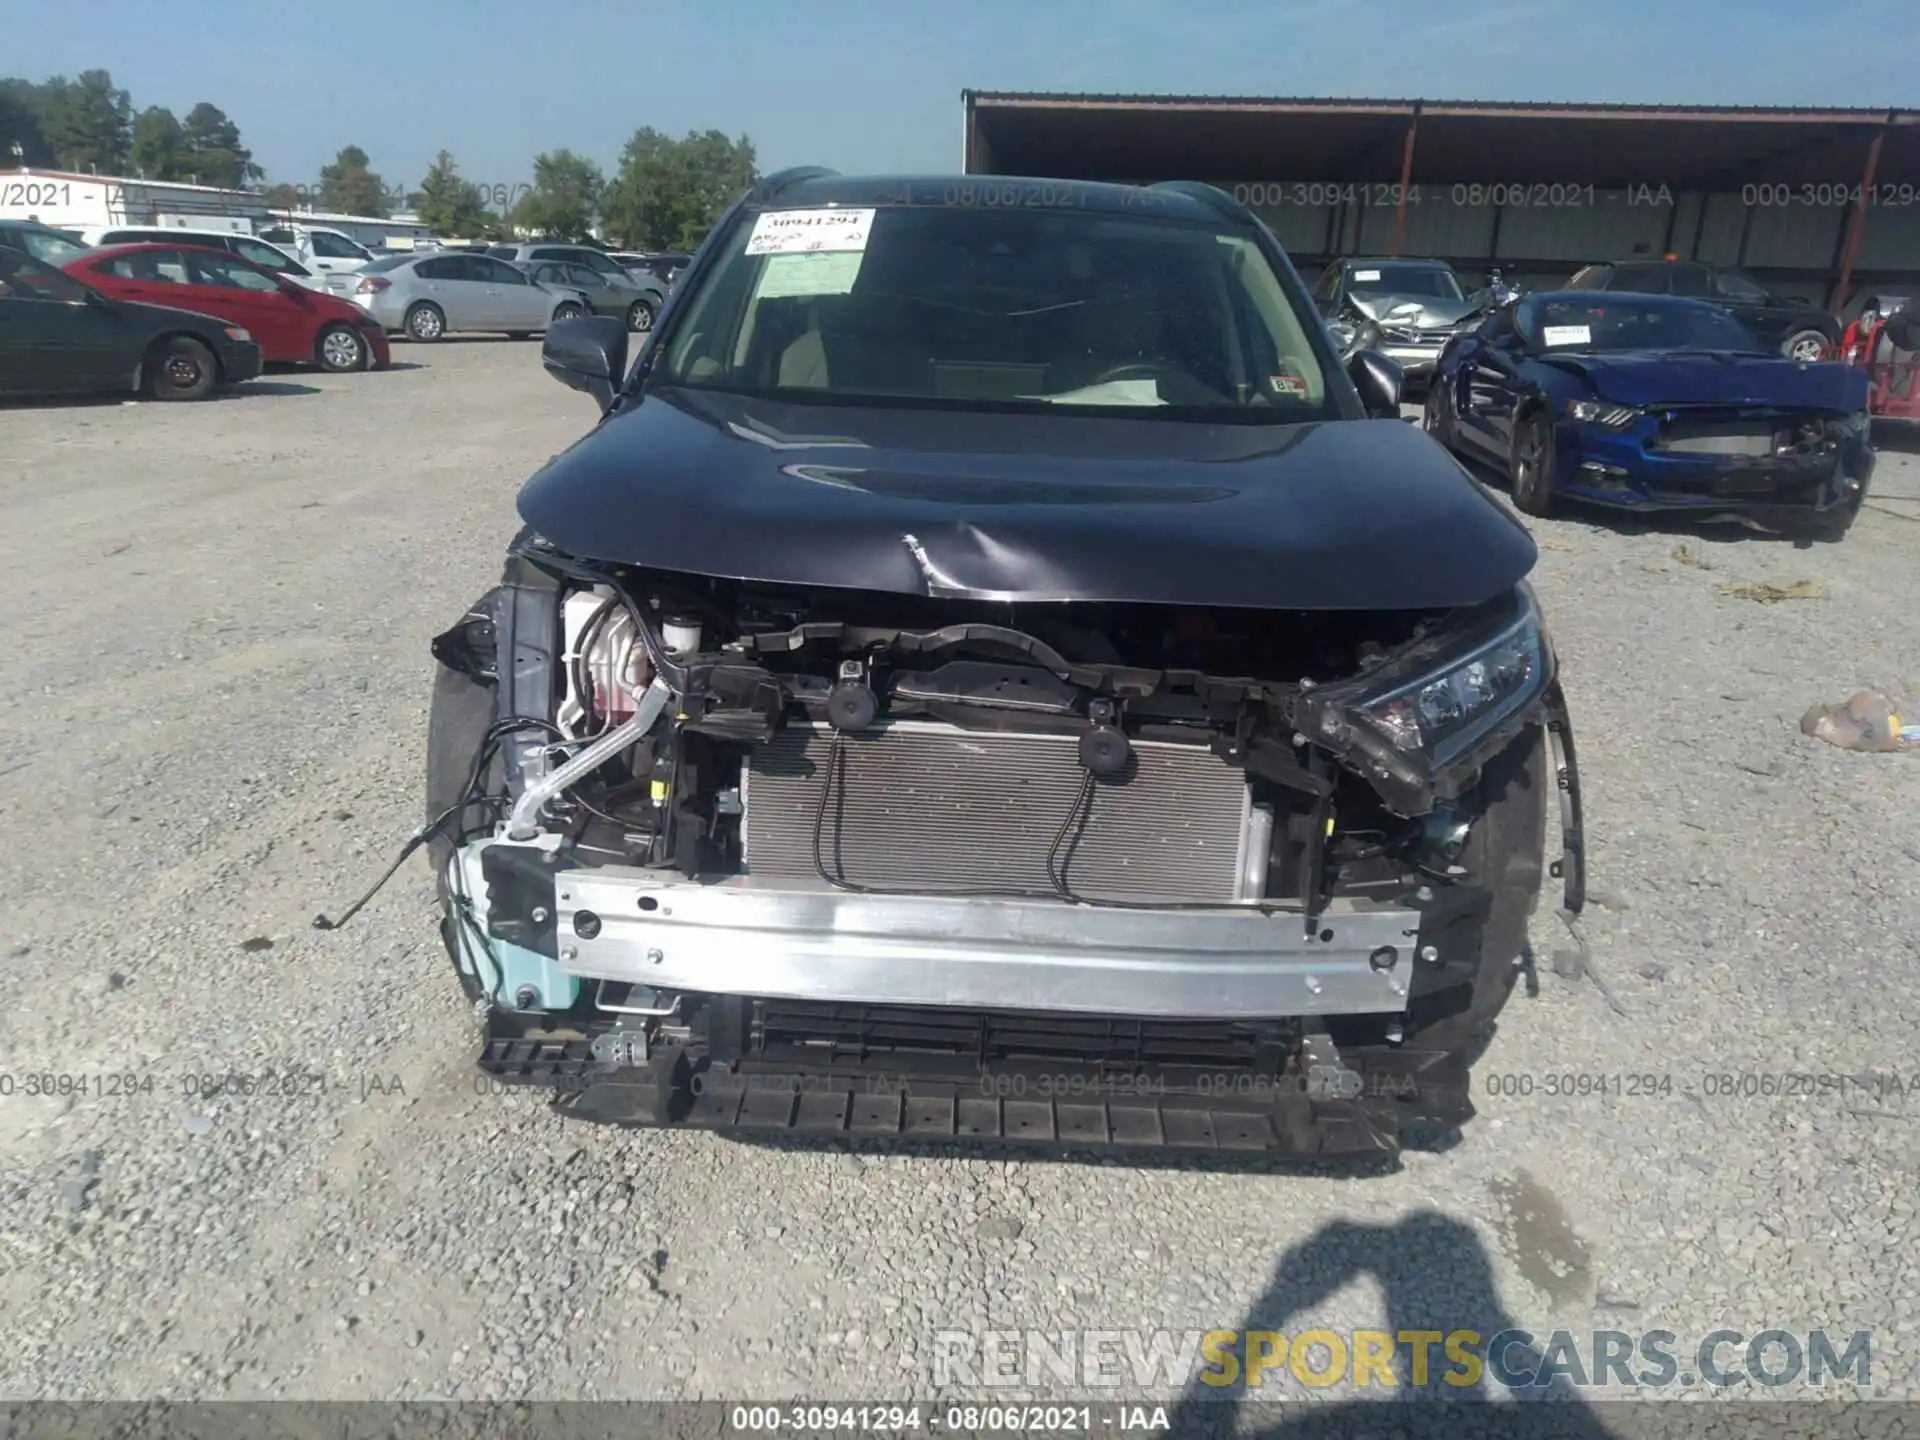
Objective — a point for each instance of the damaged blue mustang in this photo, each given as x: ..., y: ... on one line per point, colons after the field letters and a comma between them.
x: 1653, y: 402
x: 991, y: 673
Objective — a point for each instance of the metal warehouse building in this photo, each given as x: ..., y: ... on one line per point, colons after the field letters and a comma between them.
x: 1821, y: 203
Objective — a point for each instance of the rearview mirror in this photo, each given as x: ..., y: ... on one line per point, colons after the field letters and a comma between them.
x: 588, y: 353
x: 1378, y: 380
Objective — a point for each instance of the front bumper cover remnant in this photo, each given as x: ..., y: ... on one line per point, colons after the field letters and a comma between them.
x: 810, y: 942
x: 1324, y: 1102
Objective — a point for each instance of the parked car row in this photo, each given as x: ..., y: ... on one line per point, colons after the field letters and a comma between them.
x: 426, y: 297
x: 1663, y: 385
x: 291, y: 323
x: 634, y: 296
x: 1651, y: 402
x: 1409, y: 309
x: 267, y: 256
x: 72, y: 291
x: 59, y: 335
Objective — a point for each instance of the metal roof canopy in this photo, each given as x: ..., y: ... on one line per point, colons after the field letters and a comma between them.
x: 1229, y: 139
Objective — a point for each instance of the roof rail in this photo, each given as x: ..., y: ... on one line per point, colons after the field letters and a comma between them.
x: 772, y: 185
x: 1212, y: 196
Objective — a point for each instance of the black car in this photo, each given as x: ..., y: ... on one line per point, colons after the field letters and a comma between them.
x: 992, y: 674
x: 1793, y: 324
x: 60, y: 336
x: 43, y: 242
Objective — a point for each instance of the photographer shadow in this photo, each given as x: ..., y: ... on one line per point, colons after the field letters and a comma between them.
x: 1438, y: 1278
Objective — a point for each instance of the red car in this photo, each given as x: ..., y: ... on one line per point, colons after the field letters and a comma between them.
x: 290, y: 324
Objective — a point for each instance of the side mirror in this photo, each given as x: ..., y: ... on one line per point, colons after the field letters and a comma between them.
x: 587, y: 353
x: 1378, y: 379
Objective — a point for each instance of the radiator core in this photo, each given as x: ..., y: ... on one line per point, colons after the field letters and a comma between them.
x: 929, y: 808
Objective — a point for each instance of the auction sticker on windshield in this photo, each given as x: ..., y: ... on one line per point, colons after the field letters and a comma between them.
x: 822, y: 272
x: 806, y: 232
x: 1361, y: 276
x: 1567, y: 335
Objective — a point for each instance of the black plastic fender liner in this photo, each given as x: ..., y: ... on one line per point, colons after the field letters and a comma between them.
x: 526, y: 608
x: 1571, y: 867
x: 1506, y: 853
x: 461, y: 710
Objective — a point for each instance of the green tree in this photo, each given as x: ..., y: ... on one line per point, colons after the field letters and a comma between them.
x: 669, y: 192
x: 281, y: 197
x: 213, y: 142
x: 159, y: 148
x: 88, y: 122
x: 449, y: 205
x: 564, y: 199
x: 21, y: 102
x: 349, y: 187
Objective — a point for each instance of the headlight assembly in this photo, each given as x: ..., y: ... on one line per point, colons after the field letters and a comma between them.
x: 1410, y: 718
x: 1603, y: 413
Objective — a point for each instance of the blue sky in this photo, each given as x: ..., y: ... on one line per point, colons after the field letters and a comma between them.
x: 863, y: 85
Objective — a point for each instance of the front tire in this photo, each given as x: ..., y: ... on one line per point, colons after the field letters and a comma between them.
x: 639, y: 317
x: 1530, y: 468
x: 425, y: 323
x: 1831, y: 527
x: 568, y: 311
x: 342, y: 349
x: 1807, y: 345
x: 181, y: 368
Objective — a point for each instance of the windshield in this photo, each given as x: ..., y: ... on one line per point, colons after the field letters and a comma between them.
x: 1429, y: 282
x: 1008, y: 308
x: 52, y: 246
x: 1631, y: 322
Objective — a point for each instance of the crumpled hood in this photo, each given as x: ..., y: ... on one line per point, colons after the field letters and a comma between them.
x: 1350, y: 514
x: 1420, y: 312
x: 1655, y: 378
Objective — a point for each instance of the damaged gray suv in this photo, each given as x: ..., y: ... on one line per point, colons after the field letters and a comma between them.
x: 991, y: 674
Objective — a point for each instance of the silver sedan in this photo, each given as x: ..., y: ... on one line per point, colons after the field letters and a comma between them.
x: 607, y: 297
x: 427, y: 296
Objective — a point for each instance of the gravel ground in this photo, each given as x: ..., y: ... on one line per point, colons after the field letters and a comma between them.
x: 216, y: 621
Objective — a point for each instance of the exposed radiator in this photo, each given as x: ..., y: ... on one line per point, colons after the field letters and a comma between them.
x: 927, y: 807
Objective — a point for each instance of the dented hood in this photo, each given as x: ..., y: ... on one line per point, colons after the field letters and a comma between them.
x: 1351, y: 514
x: 1416, y: 312
x: 1653, y: 378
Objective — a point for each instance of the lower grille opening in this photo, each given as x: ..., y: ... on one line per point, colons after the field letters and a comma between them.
x: 912, y: 1038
